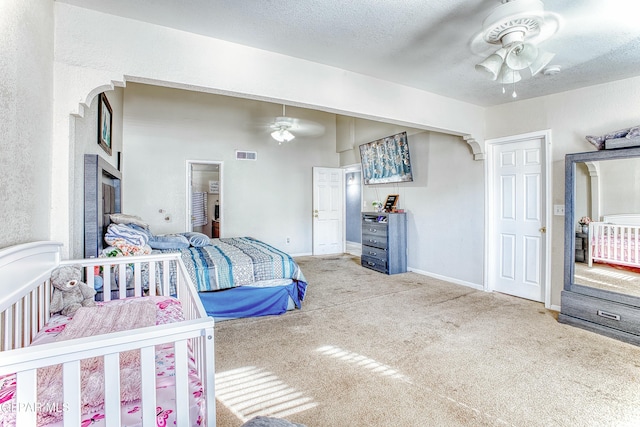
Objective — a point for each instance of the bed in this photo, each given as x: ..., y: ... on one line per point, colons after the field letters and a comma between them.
x: 234, y: 277
x: 615, y: 240
x: 83, y: 380
x: 244, y: 277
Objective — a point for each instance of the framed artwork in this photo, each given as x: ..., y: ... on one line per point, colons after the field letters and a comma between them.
x: 214, y: 187
x: 390, y: 204
x: 386, y: 160
x: 104, y: 123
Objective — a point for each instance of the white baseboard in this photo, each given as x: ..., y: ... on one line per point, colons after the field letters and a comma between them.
x: 301, y: 254
x: 353, y: 248
x: 448, y: 279
x: 464, y: 283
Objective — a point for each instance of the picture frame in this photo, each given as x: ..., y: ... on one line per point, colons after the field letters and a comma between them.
x: 214, y: 187
x: 391, y: 202
x: 386, y: 160
x: 105, y: 121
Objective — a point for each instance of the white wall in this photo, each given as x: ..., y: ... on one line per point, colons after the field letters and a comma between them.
x: 85, y: 130
x: 570, y: 115
x: 620, y: 186
x: 26, y: 88
x: 444, y: 203
x: 269, y: 199
x: 95, y: 52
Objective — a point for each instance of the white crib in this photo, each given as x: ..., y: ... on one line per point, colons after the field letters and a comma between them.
x: 24, y: 309
x: 615, y: 240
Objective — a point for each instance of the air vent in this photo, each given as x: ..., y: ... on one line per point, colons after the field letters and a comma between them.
x: 246, y: 155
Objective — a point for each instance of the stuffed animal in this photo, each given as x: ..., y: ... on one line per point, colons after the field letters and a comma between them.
x: 69, y: 291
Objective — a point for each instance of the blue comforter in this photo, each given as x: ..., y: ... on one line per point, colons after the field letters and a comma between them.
x: 233, y: 262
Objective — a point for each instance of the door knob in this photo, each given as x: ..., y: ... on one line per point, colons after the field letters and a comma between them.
x: 543, y: 229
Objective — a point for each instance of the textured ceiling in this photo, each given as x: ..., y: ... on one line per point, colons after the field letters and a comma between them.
x: 426, y: 44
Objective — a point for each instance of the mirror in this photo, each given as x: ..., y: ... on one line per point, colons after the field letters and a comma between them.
x: 605, y: 187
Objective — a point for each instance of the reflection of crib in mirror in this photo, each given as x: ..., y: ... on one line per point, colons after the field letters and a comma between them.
x: 615, y: 240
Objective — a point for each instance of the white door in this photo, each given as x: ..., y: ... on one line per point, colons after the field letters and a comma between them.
x: 328, y: 200
x: 517, y: 218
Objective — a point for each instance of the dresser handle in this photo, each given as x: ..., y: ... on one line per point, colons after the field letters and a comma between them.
x: 608, y: 315
x: 373, y: 253
x: 372, y: 264
x: 373, y: 230
x: 373, y: 241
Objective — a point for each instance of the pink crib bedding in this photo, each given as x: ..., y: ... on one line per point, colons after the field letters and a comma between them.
x: 615, y: 250
x: 167, y: 310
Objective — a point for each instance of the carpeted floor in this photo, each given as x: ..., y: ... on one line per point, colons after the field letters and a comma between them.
x: 612, y: 278
x: 368, y: 349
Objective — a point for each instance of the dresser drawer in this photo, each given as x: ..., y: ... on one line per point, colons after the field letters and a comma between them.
x: 608, y: 313
x: 374, y: 241
x: 374, y: 229
x: 373, y: 252
x: 373, y: 263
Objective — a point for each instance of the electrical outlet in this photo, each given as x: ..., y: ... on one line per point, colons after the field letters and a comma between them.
x: 288, y: 240
x: 558, y: 210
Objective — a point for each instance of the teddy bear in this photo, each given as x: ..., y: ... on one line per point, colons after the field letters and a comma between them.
x: 69, y: 291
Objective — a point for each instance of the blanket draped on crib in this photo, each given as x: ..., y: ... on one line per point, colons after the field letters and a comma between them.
x: 93, y: 321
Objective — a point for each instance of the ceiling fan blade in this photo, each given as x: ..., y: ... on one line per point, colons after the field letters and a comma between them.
x: 307, y: 128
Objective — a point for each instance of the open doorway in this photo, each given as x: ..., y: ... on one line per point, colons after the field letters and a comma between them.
x: 204, y: 197
x: 353, y: 209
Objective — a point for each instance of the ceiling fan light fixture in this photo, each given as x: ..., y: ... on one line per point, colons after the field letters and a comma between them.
x: 508, y: 76
x: 492, y: 64
x: 282, y: 135
x: 543, y: 59
x: 516, y: 26
x: 521, y: 56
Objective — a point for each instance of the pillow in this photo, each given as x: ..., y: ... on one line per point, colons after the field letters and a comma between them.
x: 197, y: 240
x: 169, y: 241
x: 120, y: 218
x: 599, y: 141
x: 126, y: 233
x: 633, y: 132
x: 141, y: 230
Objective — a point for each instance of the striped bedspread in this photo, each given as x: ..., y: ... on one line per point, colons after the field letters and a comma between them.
x: 232, y: 262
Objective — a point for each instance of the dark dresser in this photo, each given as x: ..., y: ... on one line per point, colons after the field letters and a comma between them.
x: 582, y: 244
x: 384, y: 242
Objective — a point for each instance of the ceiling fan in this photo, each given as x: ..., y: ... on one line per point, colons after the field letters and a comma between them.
x: 285, y: 129
x: 517, y: 26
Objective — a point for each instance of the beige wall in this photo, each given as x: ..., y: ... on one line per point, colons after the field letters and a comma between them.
x: 85, y: 131
x: 39, y: 195
x: 82, y: 70
x: 269, y: 199
x: 571, y: 116
x: 444, y: 203
x: 26, y: 89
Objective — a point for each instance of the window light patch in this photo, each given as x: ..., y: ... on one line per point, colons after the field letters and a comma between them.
x: 251, y: 391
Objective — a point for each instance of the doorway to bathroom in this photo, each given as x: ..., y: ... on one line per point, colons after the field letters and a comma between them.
x: 204, y: 197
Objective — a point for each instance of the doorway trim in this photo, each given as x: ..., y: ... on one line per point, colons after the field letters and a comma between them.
x: 189, y: 167
x: 491, y: 208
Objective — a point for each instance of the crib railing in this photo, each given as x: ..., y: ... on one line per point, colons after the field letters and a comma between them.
x: 24, y: 309
x: 613, y: 243
x: 25, y: 294
x: 25, y: 363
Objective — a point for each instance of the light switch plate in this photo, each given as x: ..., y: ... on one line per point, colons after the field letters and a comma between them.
x: 558, y: 210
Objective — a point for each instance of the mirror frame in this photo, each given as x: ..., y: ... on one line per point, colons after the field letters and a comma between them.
x: 570, y: 222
